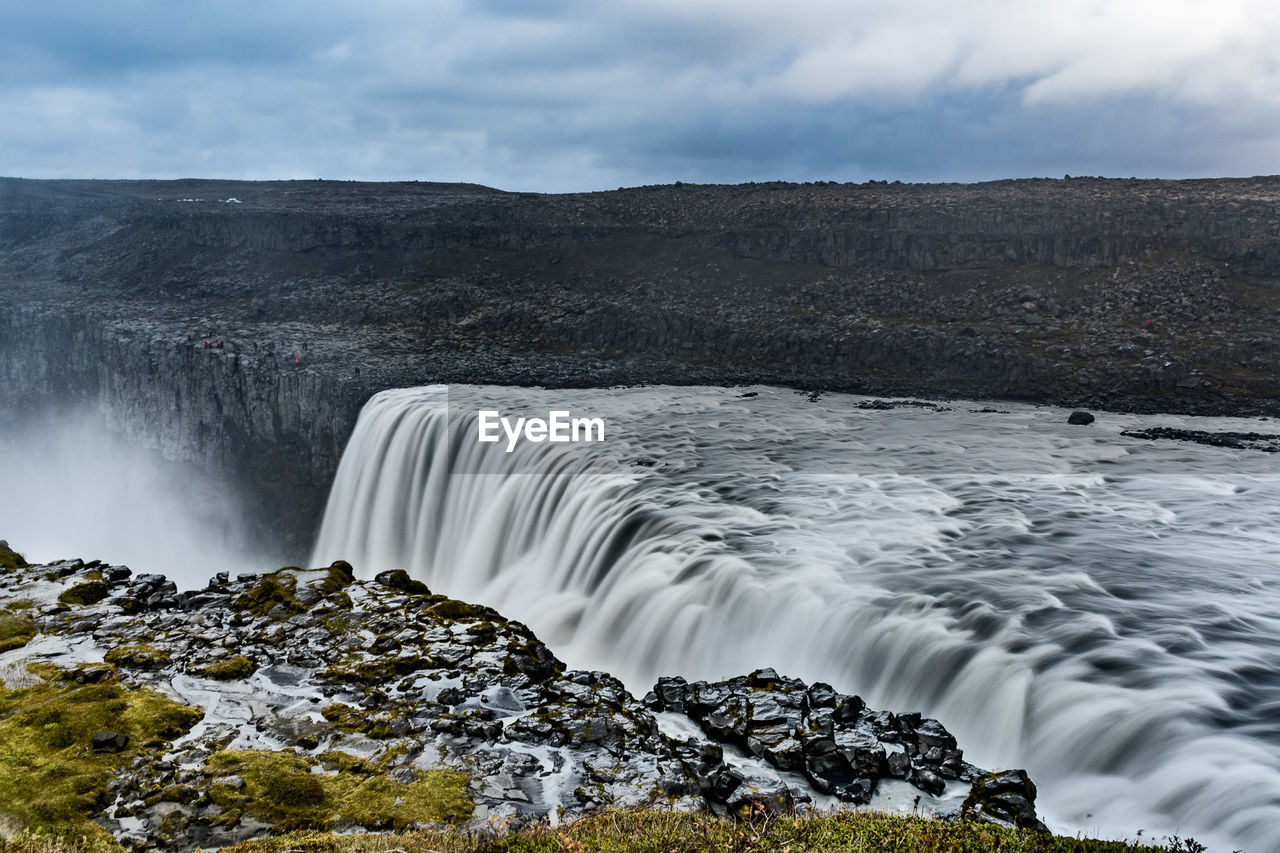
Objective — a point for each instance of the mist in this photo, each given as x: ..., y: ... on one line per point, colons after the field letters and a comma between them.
x: 74, y: 489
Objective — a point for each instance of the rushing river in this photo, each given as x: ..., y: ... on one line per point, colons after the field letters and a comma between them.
x: 1099, y: 609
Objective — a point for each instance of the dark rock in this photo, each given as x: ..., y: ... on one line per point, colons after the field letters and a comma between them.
x: 826, y: 766
x: 670, y: 693
x: 1006, y: 798
x: 109, y: 742
x: 701, y: 697
x: 92, y: 674
x: 930, y: 734
x: 927, y: 781
x: 398, y: 579
x: 728, y: 722
x: 1265, y: 442
x: 760, y: 800
x: 785, y: 754
x: 1080, y: 418
x: 822, y: 695
x: 848, y: 708
x: 763, y: 679
x: 723, y: 782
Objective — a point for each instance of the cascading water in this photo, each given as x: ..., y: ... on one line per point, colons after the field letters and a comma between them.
x: 1099, y: 609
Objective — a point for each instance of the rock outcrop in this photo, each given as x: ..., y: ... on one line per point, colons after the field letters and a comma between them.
x: 310, y: 698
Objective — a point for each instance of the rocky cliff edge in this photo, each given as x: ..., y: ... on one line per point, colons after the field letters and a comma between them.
x: 309, y: 698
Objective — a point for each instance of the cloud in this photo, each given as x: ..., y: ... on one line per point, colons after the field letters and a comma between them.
x: 579, y: 95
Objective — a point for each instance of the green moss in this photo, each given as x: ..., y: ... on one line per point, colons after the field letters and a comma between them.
x: 137, y: 656
x: 10, y: 560
x: 50, y: 780
x: 341, y: 576
x: 340, y: 600
x: 275, y: 589
x: 89, y: 592
x: 15, y: 630
x: 229, y: 668
x: 451, y: 608
x: 436, y: 796
x: 348, y: 719
x: 45, y: 670
x: 398, y: 579
x: 283, y: 789
x: 339, y: 626
x: 375, y: 670
x: 483, y: 631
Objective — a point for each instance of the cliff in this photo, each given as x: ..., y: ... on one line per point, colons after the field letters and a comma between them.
x: 1139, y: 295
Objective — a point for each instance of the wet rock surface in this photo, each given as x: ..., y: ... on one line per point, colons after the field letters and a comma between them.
x: 384, y: 683
x: 1266, y: 442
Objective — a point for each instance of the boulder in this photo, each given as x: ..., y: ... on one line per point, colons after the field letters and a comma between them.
x: 1006, y: 798
x: 109, y: 742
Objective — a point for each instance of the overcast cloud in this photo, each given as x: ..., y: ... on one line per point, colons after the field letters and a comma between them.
x: 566, y: 95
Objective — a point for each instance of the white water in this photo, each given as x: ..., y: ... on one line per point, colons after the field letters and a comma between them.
x: 1098, y: 609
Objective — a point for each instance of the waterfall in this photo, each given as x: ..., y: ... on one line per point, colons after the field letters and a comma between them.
x: 1098, y: 609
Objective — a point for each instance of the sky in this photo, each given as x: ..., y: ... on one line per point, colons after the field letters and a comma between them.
x: 566, y: 95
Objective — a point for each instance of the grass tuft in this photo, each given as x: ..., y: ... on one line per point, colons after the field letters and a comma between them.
x: 84, y: 594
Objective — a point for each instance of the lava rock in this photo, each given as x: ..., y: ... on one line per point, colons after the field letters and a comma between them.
x: 109, y: 742
x: 1080, y: 418
x: 1006, y: 798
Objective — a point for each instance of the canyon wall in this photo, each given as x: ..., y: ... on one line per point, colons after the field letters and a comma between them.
x: 312, y: 295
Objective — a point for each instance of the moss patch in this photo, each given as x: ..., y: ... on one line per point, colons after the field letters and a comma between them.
x: 451, y: 608
x: 10, y: 560
x: 137, y: 656
x: 375, y: 670
x: 229, y: 668
x: 348, y: 719
x: 89, y: 592
x: 50, y: 780
x: 281, y: 788
x: 15, y: 630
x: 341, y: 576
x: 271, y: 591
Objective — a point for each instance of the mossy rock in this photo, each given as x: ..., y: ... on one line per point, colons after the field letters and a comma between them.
x: 84, y: 594
x: 282, y: 789
x: 338, y: 625
x: 10, y: 559
x: 376, y: 670
x: 270, y: 591
x: 341, y: 576
x: 138, y: 656
x: 15, y: 630
x: 348, y: 719
x: 398, y: 579
x: 460, y: 611
x: 50, y: 779
x: 230, y: 669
